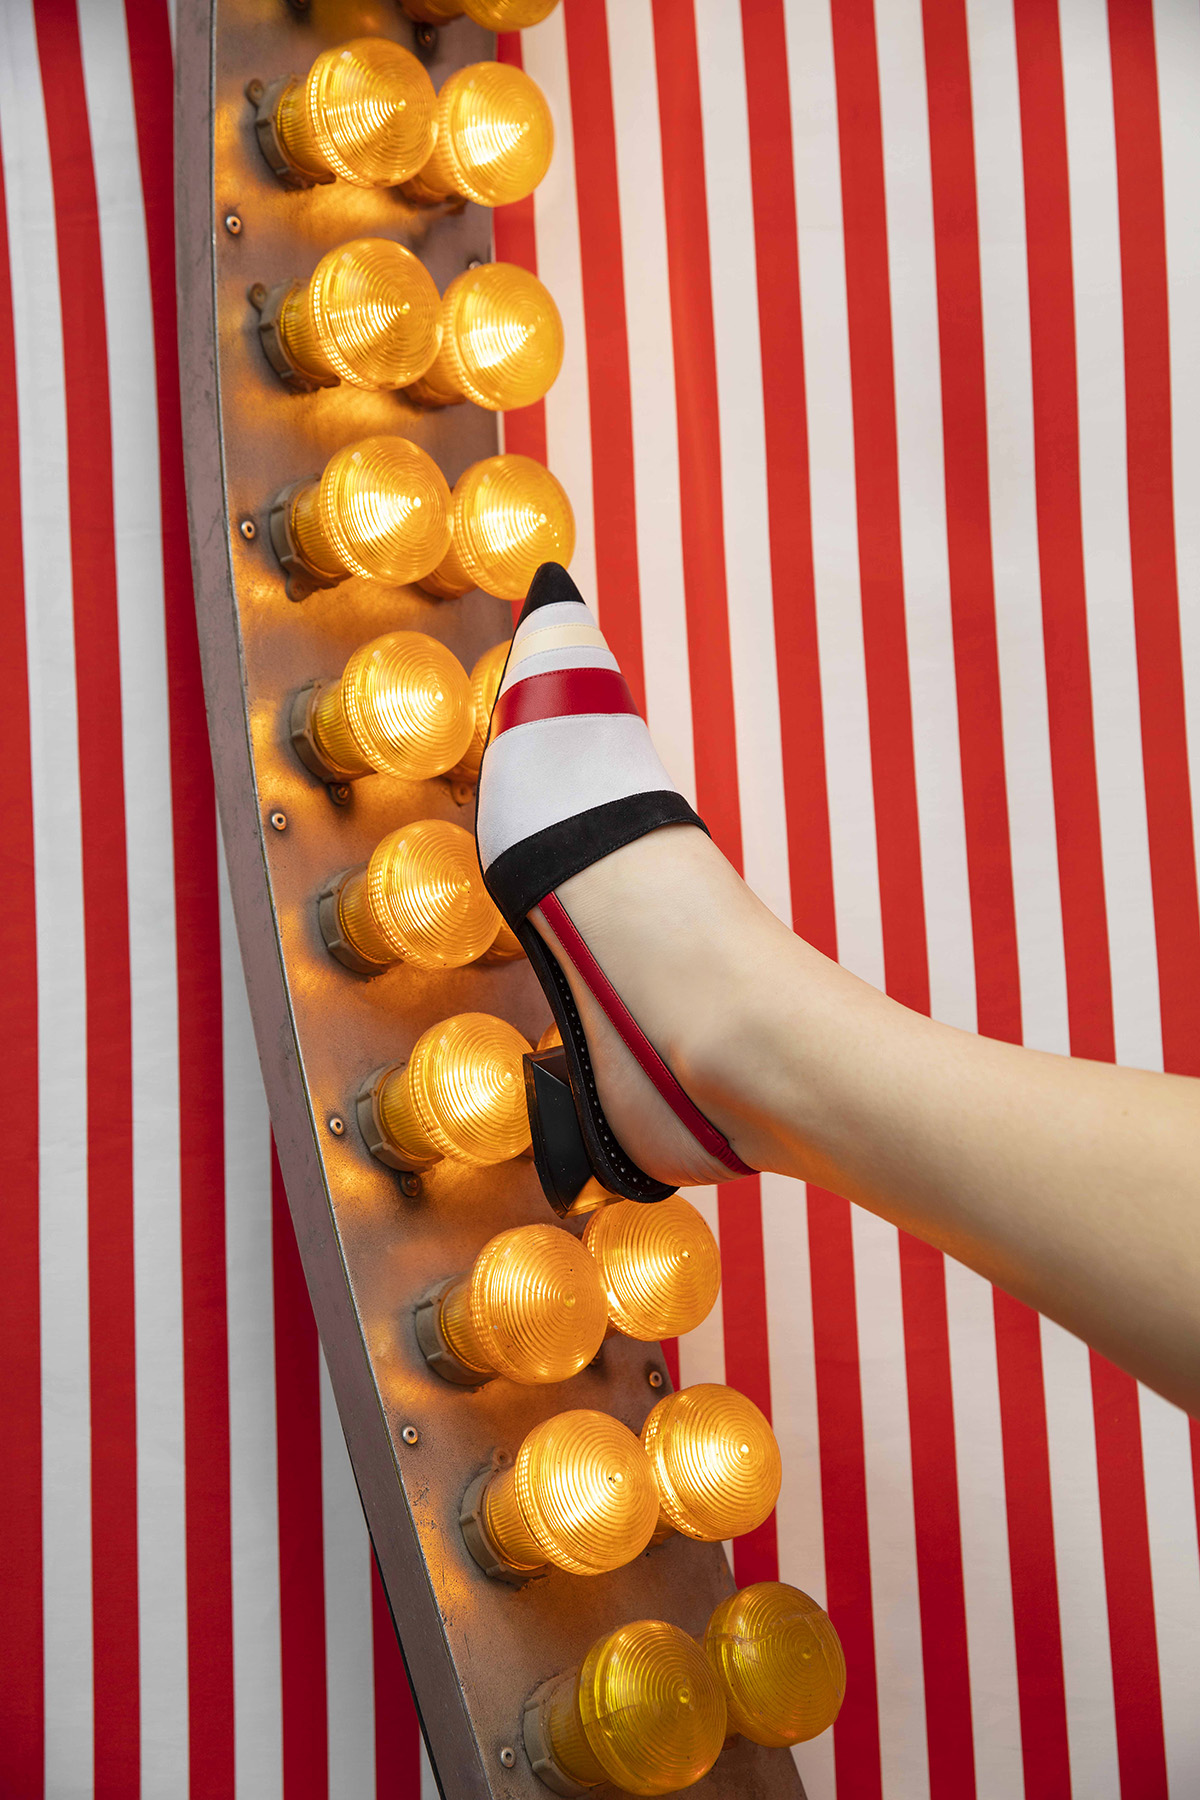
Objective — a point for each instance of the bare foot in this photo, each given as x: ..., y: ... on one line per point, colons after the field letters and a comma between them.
x: 664, y: 918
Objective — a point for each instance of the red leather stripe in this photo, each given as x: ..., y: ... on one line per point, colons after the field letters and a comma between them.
x: 559, y: 693
x: 634, y: 1037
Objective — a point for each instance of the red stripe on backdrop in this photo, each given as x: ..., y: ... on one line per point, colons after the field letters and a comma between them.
x: 106, y: 906
x: 1136, y: 1692
x: 844, y: 1491
x: 927, y: 1354
x: 700, y: 503
x: 1152, y: 527
x: 1037, y: 1626
x: 21, y: 1693
x: 1041, y: 1691
x: 609, y: 399
x: 397, y: 1733
x: 1060, y: 529
x: 515, y: 238
x: 201, y: 1122
x: 707, y: 602
x: 301, y: 1543
x: 785, y: 423
x: 1141, y: 1752
x: 744, y: 1327
x: 969, y: 519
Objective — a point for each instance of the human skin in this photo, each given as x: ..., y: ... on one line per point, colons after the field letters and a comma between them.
x: 1073, y: 1185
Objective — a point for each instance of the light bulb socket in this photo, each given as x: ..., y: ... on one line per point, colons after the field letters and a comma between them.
x: 301, y: 381
x: 304, y: 740
x: 472, y: 1517
x: 337, y: 940
x: 302, y: 578
x: 435, y: 1347
x: 370, y: 1123
x: 537, y: 1739
x: 270, y: 142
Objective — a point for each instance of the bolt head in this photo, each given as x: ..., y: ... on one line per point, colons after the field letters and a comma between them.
x: 425, y: 38
x: 257, y: 296
x: 249, y: 530
x: 279, y: 821
x: 654, y: 1377
x: 410, y: 1434
x: 340, y: 793
x: 337, y: 1126
x: 410, y: 1185
x: 233, y: 224
x: 508, y: 1757
x: 255, y: 91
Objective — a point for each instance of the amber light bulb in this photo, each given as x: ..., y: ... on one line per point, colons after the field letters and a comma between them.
x: 645, y: 1712
x: 461, y: 1095
x: 486, y: 677
x: 715, y: 1461
x: 508, y: 516
x: 497, y: 15
x: 420, y: 900
x: 580, y: 1495
x: 495, y: 138
x: 380, y: 509
x: 660, y: 1266
x: 401, y: 706
x: 502, y: 341
x: 780, y: 1663
x: 530, y: 1307
x: 550, y: 1039
x: 365, y: 111
x: 370, y: 315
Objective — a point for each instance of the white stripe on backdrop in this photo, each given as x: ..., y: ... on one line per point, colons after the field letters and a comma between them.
x: 1008, y: 1670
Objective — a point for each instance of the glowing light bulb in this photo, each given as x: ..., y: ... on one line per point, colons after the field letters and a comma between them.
x: 780, y: 1663
x: 715, y: 1461
x: 550, y: 1039
x: 495, y: 138
x: 420, y: 899
x: 530, y: 1307
x: 370, y: 315
x: 660, y: 1265
x: 401, y: 706
x: 497, y: 15
x: 508, y: 516
x: 580, y: 1495
x: 381, y: 509
x: 502, y: 341
x: 461, y: 1095
x: 645, y: 1712
x: 365, y: 111
x: 485, y: 685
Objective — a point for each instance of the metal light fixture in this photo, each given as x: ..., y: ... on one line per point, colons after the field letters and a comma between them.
x: 401, y: 706
x: 365, y: 111
x: 380, y: 509
x: 420, y: 899
x: 369, y: 315
x: 460, y: 1095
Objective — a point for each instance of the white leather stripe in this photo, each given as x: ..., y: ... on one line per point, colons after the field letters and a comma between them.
x: 558, y: 637
x: 563, y: 612
x: 537, y: 774
x: 600, y: 657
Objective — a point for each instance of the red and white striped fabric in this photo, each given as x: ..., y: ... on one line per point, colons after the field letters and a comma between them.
x: 881, y: 419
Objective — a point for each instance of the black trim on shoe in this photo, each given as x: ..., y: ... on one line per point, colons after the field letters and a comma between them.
x: 550, y: 586
x: 616, y: 1173
x: 529, y: 870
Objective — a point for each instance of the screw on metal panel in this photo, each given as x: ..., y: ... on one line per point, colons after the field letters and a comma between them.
x: 249, y: 530
x: 254, y: 91
x: 654, y: 1378
x: 410, y: 1186
x: 508, y: 1757
x: 337, y: 1126
x: 233, y: 224
x: 340, y: 792
x: 461, y: 792
x: 410, y: 1434
x: 257, y: 296
x: 426, y: 38
x: 279, y: 821
x: 474, y: 262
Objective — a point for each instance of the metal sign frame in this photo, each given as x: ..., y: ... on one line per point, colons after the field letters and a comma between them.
x: 372, y: 1241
